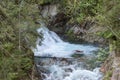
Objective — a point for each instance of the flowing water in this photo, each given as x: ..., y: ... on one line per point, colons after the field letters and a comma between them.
x: 55, y: 60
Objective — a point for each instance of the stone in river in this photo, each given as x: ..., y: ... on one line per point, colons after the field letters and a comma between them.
x: 78, y: 53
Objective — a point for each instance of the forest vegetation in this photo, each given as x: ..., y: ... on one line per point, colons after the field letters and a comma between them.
x: 19, y: 21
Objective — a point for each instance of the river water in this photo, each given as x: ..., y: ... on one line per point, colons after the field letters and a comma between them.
x: 56, y: 61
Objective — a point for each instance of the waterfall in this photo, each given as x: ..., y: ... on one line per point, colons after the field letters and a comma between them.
x: 52, y: 46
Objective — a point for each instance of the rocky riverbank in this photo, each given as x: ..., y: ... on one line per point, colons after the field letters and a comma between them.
x: 92, y: 21
x: 87, y: 31
x: 58, y: 22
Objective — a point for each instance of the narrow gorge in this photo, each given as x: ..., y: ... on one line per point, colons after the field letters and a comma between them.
x: 59, y: 40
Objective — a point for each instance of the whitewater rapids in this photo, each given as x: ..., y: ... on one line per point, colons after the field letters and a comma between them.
x: 52, y: 46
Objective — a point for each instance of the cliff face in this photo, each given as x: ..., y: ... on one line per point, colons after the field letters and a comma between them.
x: 116, y: 69
x: 58, y: 22
x: 111, y: 67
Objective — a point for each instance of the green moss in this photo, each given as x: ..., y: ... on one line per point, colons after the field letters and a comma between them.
x: 102, y: 55
x: 108, y: 75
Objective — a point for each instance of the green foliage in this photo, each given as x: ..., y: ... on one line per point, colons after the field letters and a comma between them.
x: 104, y: 13
x: 17, y: 35
x: 97, y: 58
x: 17, y: 30
x: 108, y: 15
x: 79, y: 10
x: 26, y: 64
x: 102, y: 55
x: 106, y: 34
x: 108, y: 75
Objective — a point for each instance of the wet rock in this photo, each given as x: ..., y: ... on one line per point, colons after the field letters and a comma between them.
x: 116, y: 74
x: 112, y: 64
x: 78, y: 54
x: 116, y: 62
x: 102, y: 69
x: 48, y: 10
x: 56, y: 60
x: 78, y: 51
x: 57, y: 24
x: 88, y: 34
x: 77, y: 29
x: 42, y: 69
x: 68, y: 70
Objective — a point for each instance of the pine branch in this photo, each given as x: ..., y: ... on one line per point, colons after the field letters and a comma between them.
x: 113, y: 32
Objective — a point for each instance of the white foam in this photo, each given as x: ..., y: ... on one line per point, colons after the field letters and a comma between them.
x: 53, y: 46
x: 83, y: 75
x: 58, y: 73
